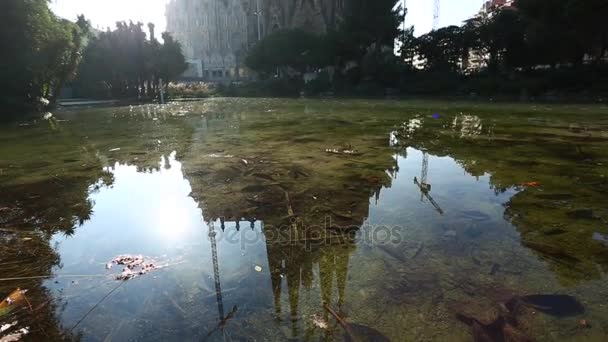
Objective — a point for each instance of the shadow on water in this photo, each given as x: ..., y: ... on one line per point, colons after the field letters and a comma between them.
x: 305, y: 220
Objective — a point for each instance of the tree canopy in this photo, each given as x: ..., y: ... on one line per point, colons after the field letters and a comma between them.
x: 43, y: 53
x: 123, y: 63
x: 294, y: 48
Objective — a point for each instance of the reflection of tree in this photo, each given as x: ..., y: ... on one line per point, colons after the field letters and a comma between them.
x: 47, y: 177
x: 32, y: 211
x: 29, y: 256
x: 45, y: 190
x: 512, y: 155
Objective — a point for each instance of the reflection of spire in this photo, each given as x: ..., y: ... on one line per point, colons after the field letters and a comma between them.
x: 216, y: 271
x: 293, y: 287
x: 326, y: 279
x: 342, y: 259
x: 274, y: 262
x: 296, y: 263
x: 334, y: 263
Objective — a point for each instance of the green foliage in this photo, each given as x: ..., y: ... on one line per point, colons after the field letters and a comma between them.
x: 370, y: 23
x: 42, y: 53
x: 123, y: 63
x: 442, y: 49
x: 536, y: 48
x: 363, y: 38
x: 296, y: 49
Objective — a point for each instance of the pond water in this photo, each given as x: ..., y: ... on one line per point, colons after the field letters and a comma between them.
x: 262, y: 219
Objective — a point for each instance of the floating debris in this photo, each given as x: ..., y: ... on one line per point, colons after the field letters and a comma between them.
x: 114, y: 149
x: 13, y: 300
x: 342, y: 151
x: 135, y: 266
x: 319, y: 321
x: 16, y: 336
x: 213, y: 155
x: 5, y: 327
x: 258, y: 268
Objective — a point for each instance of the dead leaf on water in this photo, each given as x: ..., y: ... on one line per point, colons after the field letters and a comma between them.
x: 319, y: 321
x: 135, y: 266
x: 13, y: 301
x: 16, y: 336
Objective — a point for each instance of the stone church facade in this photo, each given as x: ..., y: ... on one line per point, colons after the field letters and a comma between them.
x: 216, y: 34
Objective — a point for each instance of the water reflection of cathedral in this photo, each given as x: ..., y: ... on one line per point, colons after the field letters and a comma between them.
x: 292, y: 268
x: 215, y: 34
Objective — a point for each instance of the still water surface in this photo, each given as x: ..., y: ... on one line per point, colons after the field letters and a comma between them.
x: 483, y: 222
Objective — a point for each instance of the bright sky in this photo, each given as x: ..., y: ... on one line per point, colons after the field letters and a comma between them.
x: 451, y: 12
x: 104, y: 13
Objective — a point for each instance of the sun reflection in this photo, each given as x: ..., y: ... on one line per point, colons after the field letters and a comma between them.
x: 173, y: 221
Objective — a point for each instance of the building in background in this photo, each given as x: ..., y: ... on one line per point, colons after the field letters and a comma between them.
x: 216, y: 34
x: 491, y: 6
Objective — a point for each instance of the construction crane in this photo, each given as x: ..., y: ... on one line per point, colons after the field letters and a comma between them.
x: 223, y: 319
x: 216, y: 271
x: 424, y: 186
x: 436, y: 6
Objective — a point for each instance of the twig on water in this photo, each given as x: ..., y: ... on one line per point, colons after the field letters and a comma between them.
x: 97, y: 304
x: 55, y: 276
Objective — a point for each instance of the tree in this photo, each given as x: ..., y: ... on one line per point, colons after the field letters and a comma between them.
x: 294, y: 48
x: 172, y: 61
x: 498, y: 39
x: 370, y: 23
x: 565, y: 31
x: 442, y: 49
x: 42, y: 53
x: 123, y: 63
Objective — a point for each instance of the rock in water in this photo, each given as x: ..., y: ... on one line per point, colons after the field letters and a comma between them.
x: 583, y: 213
x: 555, y: 305
x: 362, y: 333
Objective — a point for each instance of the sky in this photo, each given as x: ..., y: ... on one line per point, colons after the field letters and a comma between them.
x: 104, y: 13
